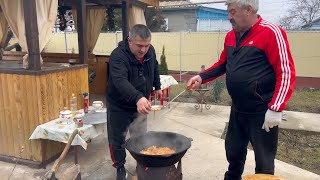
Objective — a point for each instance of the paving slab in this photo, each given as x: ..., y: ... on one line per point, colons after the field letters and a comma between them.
x: 205, y: 160
x: 301, y: 121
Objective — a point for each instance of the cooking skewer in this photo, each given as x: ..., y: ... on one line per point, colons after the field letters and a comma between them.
x: 159, y: 107
x: 174, y: 98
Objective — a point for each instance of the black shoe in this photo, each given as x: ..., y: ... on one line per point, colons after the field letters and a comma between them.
x: 121, y: 173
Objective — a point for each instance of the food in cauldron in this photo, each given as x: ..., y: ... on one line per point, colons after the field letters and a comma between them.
x: 154, y: 150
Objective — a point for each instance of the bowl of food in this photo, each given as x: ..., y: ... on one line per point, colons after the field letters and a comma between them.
x: 156, y: 107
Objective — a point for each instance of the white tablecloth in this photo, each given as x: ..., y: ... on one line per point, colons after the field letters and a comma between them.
x: 167, y: 81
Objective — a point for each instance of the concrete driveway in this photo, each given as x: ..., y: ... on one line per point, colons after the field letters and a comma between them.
x: 205, y: 160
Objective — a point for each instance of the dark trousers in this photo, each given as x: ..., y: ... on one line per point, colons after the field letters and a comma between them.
x: 242, y: 129
x: 118, y: 124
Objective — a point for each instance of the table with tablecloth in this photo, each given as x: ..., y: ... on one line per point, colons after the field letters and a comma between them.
x: 58, y: 130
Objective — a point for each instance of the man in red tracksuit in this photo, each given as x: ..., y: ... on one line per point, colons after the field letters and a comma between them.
x: 260, y: 77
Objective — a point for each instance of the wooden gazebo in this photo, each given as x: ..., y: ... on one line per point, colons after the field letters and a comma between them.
x: 32, y: 96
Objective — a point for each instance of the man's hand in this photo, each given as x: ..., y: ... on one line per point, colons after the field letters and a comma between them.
x: 194, y: 82
x: 159, y: 94
x: 143, y: 105
x: 272, y: 119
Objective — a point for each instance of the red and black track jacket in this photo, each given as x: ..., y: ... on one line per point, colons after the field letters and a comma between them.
x: 259, y: 68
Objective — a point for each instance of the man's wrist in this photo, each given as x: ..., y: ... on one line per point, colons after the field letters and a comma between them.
x: 273, y: 110
x: 139, y: 97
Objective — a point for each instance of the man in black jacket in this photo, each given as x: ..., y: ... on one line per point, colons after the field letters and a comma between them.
x: 133, y: 73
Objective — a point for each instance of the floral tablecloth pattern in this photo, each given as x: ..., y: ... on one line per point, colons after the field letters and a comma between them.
x: 57, y: 131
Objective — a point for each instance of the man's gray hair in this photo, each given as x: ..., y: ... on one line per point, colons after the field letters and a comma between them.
x: 140, y: 30
x: 244, y: 3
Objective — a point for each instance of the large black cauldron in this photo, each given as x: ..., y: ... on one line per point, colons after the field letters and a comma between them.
x: 175, y: 141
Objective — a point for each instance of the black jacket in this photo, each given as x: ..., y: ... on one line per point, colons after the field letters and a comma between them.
x: 129, y: 80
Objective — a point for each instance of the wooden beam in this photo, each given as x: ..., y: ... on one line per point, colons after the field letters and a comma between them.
x: 116, y: 6
x: 104, y: 2
x: 193, y: 4
x: 138, y: 3
x: 32, y: 34
x: 90, y: 2
x: 125, y: 18
x: 82, y: 31
x: 154, y: 3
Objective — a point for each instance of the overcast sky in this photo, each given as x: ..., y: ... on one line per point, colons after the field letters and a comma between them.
x: 270, y: 10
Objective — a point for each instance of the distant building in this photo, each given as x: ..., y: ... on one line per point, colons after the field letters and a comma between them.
x: 194, y: 18
x: 314, y: 25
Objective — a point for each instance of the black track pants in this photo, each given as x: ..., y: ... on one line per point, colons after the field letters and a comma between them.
x: 242, y: 129
x: 118, y: 124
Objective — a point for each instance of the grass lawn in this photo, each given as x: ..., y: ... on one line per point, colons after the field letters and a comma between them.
x: 305, y: 100
x: 302, y: 100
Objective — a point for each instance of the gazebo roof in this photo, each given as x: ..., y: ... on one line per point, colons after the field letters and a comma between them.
x: 32, y: 32
x: 115, y: 2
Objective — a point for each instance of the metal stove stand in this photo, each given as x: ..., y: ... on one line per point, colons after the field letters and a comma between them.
x: 159, y: 173
x: 201, y: 100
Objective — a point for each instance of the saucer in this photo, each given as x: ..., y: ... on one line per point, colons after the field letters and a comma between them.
x: 101, y: 110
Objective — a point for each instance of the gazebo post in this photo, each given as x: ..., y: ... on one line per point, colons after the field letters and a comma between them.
x: 82, y: 31
x: 32, y: 34
x: 125, y: 24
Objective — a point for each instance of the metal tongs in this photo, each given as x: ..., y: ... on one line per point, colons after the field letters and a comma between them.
x: 160, y: 107
x: 155, y: 108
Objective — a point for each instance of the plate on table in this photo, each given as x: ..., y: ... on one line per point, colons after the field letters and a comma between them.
x: 156, y: 107
x: 101, y: 110
x: 95, y: 118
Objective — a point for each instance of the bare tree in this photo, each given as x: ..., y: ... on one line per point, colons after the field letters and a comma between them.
x: 300, y: 13
x: 155, y: 20
x: 287, y: 23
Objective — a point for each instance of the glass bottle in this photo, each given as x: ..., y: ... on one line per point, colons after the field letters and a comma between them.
x: 73, y: 104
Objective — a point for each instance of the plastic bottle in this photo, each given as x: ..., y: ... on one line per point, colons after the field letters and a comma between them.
x: 73, y: 104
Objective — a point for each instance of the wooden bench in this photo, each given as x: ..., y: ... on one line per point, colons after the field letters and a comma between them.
x: 12, y: 55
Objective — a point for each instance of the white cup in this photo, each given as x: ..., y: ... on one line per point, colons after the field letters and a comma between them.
x: 97, y: 104
x: 65, y: 116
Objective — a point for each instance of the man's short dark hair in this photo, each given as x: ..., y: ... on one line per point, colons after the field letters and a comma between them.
x: 140, y: 30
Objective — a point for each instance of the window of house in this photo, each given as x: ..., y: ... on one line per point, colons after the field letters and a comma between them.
x: 167, y: 23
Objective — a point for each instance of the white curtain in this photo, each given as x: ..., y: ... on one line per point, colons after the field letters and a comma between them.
x: 136, y: 16
x: 3, y: 28
x: 13, y: 12
x: 46, y: 16
x: 95, y: 19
